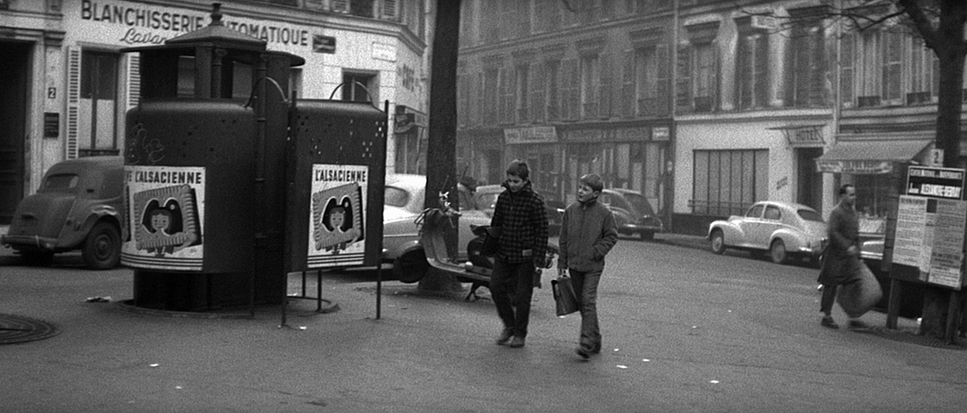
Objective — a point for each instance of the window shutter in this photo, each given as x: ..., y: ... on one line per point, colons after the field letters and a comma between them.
x: 683, y: 85
x: 570, y: 85
x: 73, y: 100
x: 481, y: 109
x: 537, y: 92
x: 604, y: 88
x: 391, y: 10
x: 846, y: 73
x: 628, y: 84
x: 134, y: 80
x: 662, y: 79
x: 760, y: 83
x: 744, y: 72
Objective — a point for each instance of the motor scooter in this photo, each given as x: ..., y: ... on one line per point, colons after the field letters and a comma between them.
x: 478, y: 269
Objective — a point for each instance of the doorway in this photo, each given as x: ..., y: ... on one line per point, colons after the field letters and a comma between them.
x: 13, y: 118
x: 810, y: 190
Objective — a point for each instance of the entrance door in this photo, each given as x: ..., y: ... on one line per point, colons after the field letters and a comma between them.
x: 13, y: 118
x: 810, y: 181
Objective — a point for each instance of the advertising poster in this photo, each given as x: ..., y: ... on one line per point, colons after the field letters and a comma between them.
x: 166, y: 211
x: 336, y: 217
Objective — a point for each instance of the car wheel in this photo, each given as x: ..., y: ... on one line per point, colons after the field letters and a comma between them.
x: 411, y: 267
x: 777, y: 251
x: 37, y: 258
x: 102, y: 248
x: 718, y: 242
x: 647, y: 236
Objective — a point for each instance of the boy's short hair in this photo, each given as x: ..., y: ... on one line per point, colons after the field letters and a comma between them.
x: 518, y: 168
x: 593, y: 181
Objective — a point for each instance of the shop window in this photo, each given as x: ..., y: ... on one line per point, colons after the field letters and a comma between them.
x: 727, y: 182
x: 359, y: 87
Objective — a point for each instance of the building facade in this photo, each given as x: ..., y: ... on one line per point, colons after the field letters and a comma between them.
x: 68, y: 84
x: 571, y: 91
x: 706, y: 106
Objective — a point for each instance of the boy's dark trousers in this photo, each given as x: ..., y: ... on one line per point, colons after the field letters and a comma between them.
x: 511, y: 287
x: 586, y: 288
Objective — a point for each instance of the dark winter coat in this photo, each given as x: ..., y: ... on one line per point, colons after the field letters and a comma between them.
x: 588, y: 232
x: 522, y: 221
x: 839, y: 266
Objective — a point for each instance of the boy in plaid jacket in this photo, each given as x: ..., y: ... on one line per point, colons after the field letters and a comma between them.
x: 521, y: 220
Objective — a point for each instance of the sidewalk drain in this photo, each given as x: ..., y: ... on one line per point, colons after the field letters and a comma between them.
x: 17, y: 329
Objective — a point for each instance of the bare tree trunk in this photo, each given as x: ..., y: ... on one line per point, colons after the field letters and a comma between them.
x: 949, y: 45
x: 441, y: 150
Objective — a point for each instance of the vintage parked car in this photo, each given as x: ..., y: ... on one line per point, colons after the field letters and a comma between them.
x: 404, y: 197
x: 78, y: 206
x: 485, y: 199
x: 784, y: 230
x: 632, y: 212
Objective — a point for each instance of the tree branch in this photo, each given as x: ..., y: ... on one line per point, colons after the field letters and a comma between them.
x: 916, y: 14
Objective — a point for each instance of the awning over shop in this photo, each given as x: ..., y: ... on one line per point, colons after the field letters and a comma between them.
x: 869, y: 157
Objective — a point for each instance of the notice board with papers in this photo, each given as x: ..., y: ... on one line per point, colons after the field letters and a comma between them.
x: 927, y: 235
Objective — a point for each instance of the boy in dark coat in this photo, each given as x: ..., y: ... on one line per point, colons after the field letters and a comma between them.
x: 588, y: 232
x: 521, y: 221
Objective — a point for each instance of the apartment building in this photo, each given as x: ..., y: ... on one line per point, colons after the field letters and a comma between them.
x: 67, y: 84
x: 571, y: 91
x: 706, y: 106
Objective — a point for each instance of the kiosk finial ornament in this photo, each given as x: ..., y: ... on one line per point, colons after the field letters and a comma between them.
x: 217, y: 15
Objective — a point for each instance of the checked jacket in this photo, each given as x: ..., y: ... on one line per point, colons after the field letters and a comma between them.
x: 522, y: 221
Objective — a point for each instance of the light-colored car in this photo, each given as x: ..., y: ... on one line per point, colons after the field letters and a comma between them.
x: 633, y: 213
x: 77, y: 207
x: 404, y: 197
x: 784, y: 230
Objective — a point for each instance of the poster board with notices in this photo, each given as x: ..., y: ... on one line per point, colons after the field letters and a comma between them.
x: 928, y: 237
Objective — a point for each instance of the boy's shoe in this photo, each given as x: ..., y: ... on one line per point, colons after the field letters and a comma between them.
x: 583, y: 352
x: 504, y: 337
x: 517, y: 342
x: 829, y: 322
x: 857, y: 323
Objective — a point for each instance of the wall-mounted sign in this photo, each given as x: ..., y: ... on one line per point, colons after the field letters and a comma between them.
x: 323, y: 44
x: 931, y: 182
x: 385, y: 52
x: 808, y: 136
x: 662, y: 133
x: 51, y: 125
x: 535, y: 134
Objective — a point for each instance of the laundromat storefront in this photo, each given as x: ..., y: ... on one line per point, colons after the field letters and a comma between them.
x: 877, y: 168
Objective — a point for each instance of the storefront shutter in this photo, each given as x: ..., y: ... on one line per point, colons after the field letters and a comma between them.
x: 73, y: 100
x: 628, y: 85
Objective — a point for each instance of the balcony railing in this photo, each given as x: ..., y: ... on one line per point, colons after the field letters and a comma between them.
x: 703, y: 103
x: 867, y: 101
